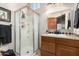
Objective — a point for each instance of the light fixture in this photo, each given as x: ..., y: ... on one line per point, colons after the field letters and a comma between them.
x: 51, y: 4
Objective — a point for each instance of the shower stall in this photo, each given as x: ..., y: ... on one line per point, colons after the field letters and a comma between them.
x: 26, y: 31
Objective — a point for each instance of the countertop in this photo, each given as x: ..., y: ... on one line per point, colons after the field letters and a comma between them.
x: 74, y: 37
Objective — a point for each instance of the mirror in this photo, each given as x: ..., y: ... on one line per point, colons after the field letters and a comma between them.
x: 76, y: 20
x: 59, y: 21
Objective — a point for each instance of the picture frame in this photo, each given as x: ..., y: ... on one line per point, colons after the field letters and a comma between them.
x: 5, y: 14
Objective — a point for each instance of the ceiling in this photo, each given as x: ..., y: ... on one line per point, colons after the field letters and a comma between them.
x: 16, y: 6
x: 12, y: 6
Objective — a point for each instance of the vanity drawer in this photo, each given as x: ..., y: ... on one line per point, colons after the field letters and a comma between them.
x: 46, y: 53
x: 69, y: 42
x: 48, y: 47
x: 47, y: 39
x: 63, y: 50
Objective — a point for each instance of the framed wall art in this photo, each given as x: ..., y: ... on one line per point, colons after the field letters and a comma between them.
x: 5, y: 14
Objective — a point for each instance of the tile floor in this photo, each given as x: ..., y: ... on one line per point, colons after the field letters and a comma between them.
x: 37, y: 53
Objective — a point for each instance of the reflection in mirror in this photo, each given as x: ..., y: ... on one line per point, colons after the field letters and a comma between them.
x: 60, y: 22
x: 69, y: 22
x: 76, y: 21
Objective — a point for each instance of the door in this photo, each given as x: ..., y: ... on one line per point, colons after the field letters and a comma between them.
x: 26, y: 27
x: 36, y: 25
x: 17, y: 33
x: 47, y: 46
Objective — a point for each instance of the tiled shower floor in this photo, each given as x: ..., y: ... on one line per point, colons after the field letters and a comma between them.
x: 37, y: 53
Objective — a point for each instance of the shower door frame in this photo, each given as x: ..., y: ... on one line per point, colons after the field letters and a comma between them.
x: 20, y: 29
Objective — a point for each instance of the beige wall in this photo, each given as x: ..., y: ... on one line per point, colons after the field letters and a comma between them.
x: 13, y: 7
x: 10, y: 45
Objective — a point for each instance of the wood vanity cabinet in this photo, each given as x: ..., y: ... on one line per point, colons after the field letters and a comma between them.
x: 47, y: 46
x: 63, y: 50
x: 51, y: 46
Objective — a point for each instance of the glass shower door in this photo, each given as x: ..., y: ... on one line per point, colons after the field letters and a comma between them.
x: 17, y: 33
x: 26, y: 31
x: 36, y: 30
x: 26, y: 24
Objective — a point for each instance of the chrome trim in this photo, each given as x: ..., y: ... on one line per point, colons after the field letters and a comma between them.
x: 19, y: 35
x: 14, y: 32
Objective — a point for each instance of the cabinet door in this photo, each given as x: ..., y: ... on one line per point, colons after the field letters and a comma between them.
x: 48, y: 46
x: 62, y: 50
x: 46, y: 53
x: 68, y: 42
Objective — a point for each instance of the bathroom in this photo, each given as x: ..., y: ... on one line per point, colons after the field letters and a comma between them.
x: 27, y: 24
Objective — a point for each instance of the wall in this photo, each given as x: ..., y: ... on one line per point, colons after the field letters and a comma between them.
x: 42, y: 22
x: 10, y: 45
x: 13, y: 7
